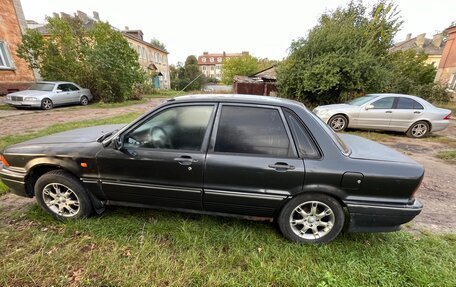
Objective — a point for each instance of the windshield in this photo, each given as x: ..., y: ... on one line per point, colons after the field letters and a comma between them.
x: 339, y: 142
x: 42, y: 87
x: 361, y: 100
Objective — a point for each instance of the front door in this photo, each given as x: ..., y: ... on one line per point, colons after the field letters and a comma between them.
x: 162, y: 159
x: 251, y: 165
x: 377, y: 115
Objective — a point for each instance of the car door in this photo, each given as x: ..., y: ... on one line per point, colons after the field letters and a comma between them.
x: 161, y: 160
x: 63, y: 95
x: 75, y: 93
x: 252, y: 164
x: 376, y: 115
x: 405, y: 113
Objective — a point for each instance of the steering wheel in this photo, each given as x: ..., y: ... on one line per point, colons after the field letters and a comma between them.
x: 159, y: 138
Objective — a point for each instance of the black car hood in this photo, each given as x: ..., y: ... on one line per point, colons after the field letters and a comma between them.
x: 362, y: 148
x: 83, y: 135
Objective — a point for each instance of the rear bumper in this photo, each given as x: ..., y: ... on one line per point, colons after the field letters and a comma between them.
x: 439, y: 125
x: 15, y: 180
x: 380, y: 218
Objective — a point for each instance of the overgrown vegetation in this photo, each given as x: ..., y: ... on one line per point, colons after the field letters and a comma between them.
x: 245, y: 65
x: 138, y: 247
x: 348, y: 54
x: 98, y: 58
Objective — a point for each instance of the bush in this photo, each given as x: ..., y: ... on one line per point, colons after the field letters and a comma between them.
x: 432, y: 93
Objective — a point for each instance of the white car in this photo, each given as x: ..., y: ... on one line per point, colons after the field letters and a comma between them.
x: 47, y: 95
x: 391, y: 112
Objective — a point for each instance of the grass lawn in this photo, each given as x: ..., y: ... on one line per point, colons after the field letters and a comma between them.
x: 140, y: 247
x: 448, y: 155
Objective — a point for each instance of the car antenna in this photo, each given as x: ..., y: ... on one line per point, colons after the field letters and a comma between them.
x: 188, y: 85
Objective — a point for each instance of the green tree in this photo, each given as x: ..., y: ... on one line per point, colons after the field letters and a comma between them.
x: 238, y: 66
x: 98, y: 58
x: 345, y: 54
x: 187, y: 76
x: 158, y: 44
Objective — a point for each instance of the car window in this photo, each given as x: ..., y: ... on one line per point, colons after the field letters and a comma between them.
x: 305, y: 144
x: 384, y: 103
x: 252, y: 130
x: 408, y: 104
x: 63, y: 88
x: 72, y: 87
x: 176, y: 128
x: 361, y: 100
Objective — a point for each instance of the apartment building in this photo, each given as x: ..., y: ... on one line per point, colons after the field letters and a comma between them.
x: 210, y: 64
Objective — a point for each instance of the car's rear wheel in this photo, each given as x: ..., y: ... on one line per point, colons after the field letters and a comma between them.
x: 84, y: 101
x: 62, y: 195
x: 418, y: 130
x: 338, y: 123
x: 311, y: 218
x: 46, y: 104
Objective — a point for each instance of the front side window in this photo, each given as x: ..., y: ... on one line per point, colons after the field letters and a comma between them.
x: 5, y: 59
x: 177, y: 128
x: 384, y: 103
x: 252, y: 130
x: 408, y: 104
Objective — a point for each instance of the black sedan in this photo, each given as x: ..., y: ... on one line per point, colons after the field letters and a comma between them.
x: 249, y: 156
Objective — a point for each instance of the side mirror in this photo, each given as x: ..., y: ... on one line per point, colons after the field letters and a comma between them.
x: 118, y: 143
x: 369, y: 107
x: 58, y: 91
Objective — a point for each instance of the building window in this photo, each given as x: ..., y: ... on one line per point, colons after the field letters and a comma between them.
x: 203, y: 60
x: 211, y: 60
x: 452, y: 82
x: 212, y: 68
x: 5, y: 59
x: 204, y: 68
x: 219, y: 59
x: 156, y: 57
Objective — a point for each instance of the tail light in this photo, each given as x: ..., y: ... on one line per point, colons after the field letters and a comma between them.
x: 4, y: 161
x: 447, y: 117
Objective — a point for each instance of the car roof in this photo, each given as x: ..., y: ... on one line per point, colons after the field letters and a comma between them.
x: 53, y: 82
x: 237, y: 98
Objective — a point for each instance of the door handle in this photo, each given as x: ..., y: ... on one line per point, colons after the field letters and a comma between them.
x: 389, y: 112
x: 417, y: 112
x: 185, y: 160
x: 281, y: 166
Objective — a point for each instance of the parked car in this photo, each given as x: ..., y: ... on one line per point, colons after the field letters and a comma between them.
x: 249, y: 156
x: 46, y: 95
x: 391, y: 112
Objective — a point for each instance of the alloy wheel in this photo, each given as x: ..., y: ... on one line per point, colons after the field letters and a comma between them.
x: 338, y: 123
x: 84, y: 101
x: 61, y: 200
x: 419, y: 130
x: 312, y: 220
x: 47, y: 104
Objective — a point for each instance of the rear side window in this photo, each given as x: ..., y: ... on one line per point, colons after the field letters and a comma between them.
x: 408, y: 104
x: 252, y: 130
x: 384, y: 103
x: 305, y: 144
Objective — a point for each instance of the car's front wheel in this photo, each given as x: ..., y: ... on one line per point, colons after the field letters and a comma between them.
x: 62, y: 195
x: 338, y: 123
x: 311, y: 218
x: 84, y: 101
x: 418, y: 130
x: 46, y: 104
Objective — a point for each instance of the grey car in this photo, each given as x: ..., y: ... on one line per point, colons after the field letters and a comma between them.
x: 392, y: 112
x: 47, y: 95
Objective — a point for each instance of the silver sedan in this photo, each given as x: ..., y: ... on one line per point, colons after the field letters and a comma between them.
x: 392, y: 112
x: 47, y: 95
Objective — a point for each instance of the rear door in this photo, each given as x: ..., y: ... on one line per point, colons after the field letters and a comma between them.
x: 377, y: 117
x: 75, y: 93
x: 406, y: 112
x: 252, y: 164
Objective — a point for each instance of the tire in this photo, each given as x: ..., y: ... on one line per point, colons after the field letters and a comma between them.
x: 84, y: 101
x: 338, y: 123
x: 321, y: 225
x: 62, y: 196
x: 418, y: 130
x: 46, y: 104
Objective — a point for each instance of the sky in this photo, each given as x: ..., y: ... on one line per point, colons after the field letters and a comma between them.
x: 265, y: 28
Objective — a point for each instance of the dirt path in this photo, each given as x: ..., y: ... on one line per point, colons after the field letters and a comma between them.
x: 17, y: 122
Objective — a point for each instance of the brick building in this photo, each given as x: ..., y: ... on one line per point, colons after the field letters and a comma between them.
x: 15, y: 74
x: 446, y: 73
x: 210, y: 64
